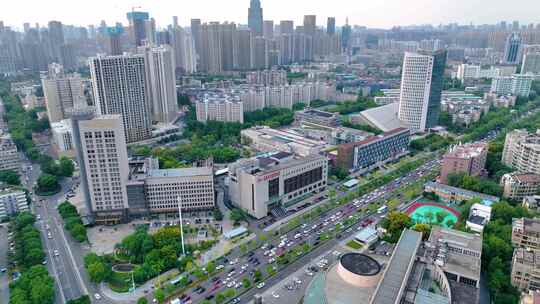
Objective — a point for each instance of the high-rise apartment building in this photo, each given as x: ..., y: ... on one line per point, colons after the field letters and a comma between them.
x: 255, y: 17
x: 55, y: 40
x: 286, y: 27
x: 512, y: 49
x: 526, y: 232
x: 120, y: 87
x: 346, y: 32
x: 468, y: 158
x: 517, y: 84
x: 196, y: 32
x: 102, y: 154
x: 9, y: 156
x: 185, y: 55
x: 227, y: 36
x: 210, y: 58
x: 150, y: 31
x: 62, y: 92
x: 137, y: 24
x: 531, y: 63
x: 244, y: 45
x: 260, y: 53
x: 421, y: 86
x: 517, y: 186
x: 331, y: 26
x: 525, y: 270
x: 310, y: 25
x: 268, y: 29
x: 219, y: 109
x: 113, y: 42
x: 522, y: 151
x: 161, y: 78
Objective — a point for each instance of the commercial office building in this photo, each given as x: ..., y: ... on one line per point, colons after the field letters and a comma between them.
x: 421, y: 86
x: 364, y: 155
x: 275, y: 181
x: 102, y: 157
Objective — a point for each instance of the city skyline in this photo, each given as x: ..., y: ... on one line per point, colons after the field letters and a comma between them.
x: 371, y: 14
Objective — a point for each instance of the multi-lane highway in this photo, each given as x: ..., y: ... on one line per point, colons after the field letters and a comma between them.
x: 63, y: 255
x: 239, y: 266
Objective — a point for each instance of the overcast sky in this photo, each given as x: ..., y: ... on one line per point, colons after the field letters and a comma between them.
x: 371, y: 13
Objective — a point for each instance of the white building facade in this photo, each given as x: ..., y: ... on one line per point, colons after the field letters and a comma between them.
x: 120, y: 87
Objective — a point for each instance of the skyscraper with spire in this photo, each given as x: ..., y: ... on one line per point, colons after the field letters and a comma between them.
x: 255, y: 17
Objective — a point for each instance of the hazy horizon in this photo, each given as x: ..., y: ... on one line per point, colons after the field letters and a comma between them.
x: 374, y: 14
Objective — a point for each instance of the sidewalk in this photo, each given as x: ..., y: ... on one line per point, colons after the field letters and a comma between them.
x: 131, y: 297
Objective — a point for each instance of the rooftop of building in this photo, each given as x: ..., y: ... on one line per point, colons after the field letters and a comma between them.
x: 388, y: 291
x: 360, y: 264
x: 182, y: 172
x: 320, y: 113
x: 525, y: 177
x: 476, y: 219
x: 457, y: 238
x: 527, y: 256
x: 286, y: 136
x: 470, y: 150
x: 383, y: 117
x: 7, y: 191
x: 462, y: 192
x: 375, y: 138
x: 464, y: 264
x: 273, y: 161
x: 529, y: 224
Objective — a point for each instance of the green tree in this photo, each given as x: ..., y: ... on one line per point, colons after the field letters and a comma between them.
x: 257, y: 275
x: 218, y: 215
x: 47, y: 183
x: 65, y: 167
x: 10, y: 177
x: 229, y: 293
x: 97, y: 272
x: 237, y: 215
x: 424, y: 229
x: 211, y: 267
x: 270, y: 270
x: 142, y: 301
x: 160, y: 295
x: 440, y: 216
x: 246, y: 283
x: 394, y: 224
x: 220, y: 298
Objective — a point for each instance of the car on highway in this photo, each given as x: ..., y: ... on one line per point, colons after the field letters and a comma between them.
x: 97, y: 296
x: 260, y: 285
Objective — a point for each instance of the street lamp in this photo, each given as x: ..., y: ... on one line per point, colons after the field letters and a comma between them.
x: 181, y: 225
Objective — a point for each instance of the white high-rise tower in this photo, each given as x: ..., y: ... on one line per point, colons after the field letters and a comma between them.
x: 421, y: 86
